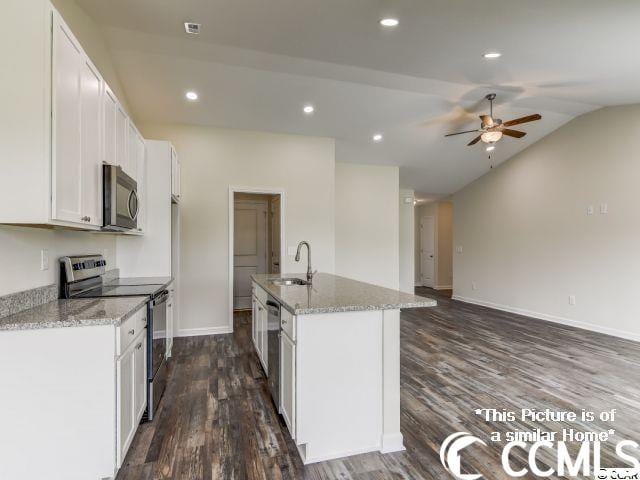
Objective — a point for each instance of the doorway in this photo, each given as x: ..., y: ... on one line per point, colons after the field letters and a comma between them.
x: 256, y: 231
x: 427, y: 251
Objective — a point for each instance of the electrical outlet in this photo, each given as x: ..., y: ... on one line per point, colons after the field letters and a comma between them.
x: 590, y: 210
x: 572, y: 300
x: 292, y: 251
x: 474, y: 285
x: 604, y: 208
x: 44, y: 259
x: 459, y: 249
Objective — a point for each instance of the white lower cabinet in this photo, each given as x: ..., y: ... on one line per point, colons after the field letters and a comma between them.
x: 170, y: 319
x: 288, y: 382
x: 131, y: 374
x: 259, y: 334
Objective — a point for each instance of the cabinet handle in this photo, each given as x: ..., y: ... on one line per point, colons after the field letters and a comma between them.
x: 284, y: 322
x: 132, y: 331
x: 88, y: 219
x: 139, y: 346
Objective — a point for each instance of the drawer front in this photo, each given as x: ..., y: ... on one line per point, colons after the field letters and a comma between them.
x: 260, y: 293
x: 288, y: 323
x: 129, y: 330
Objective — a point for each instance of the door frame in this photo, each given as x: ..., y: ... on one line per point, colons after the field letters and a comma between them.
x: 259, y: 190
x: 434, y: 218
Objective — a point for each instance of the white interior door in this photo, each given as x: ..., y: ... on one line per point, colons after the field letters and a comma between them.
x: 427, y: 251
x: 275, y: 235
x: 249, y: 249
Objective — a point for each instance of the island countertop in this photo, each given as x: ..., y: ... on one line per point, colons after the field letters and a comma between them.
x: 74, y: 313
x: 332, y: 293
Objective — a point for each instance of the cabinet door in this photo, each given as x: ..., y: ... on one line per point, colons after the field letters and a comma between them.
x: 259, y: 330
x: 66, y: 173
x: 125, y: 370
x: 140, y: 376
x: 109, y: 128
x: 91, y: 92
x: 254, y: 321
x: 122, y: 139
x: 264, y: 337
x: 139, y: 156
x: 288, y: 382
x: 175, y: 174
x: 170, y: 309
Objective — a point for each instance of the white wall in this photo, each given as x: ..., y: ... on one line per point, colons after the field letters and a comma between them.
x: 20, y: 254
x: 367, y: 223
x: 407, y: 241
x: 213, y: 159
x: 527, y: 238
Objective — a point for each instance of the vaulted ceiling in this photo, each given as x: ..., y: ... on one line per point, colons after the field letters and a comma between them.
x: 256, y: 63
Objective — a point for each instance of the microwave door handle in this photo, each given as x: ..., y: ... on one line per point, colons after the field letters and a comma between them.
x: 133, y: 215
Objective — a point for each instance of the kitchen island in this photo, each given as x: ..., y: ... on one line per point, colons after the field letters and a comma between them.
x: 339, y: 361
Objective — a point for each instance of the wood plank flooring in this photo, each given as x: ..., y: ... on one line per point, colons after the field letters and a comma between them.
x: 216, y: 420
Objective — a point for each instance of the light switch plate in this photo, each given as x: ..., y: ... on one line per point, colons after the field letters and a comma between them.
x: 459, y: 249
x: 604, y: 208
x: 44, y: 259
x: 590, y: 210
x: 572, y: 299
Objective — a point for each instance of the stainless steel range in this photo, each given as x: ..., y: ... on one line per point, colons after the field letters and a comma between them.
x: 82, y: 277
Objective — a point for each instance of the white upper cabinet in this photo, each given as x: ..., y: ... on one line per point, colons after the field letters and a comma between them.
x: 109, y: 127
x: 175, y: 176
x: 91, y: 87
x: 68, y: 62
x: 122, y: 139
x: 61, y: 122
x: 138, y: 163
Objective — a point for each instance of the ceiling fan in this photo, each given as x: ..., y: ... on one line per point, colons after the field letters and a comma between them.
x: 492, y: 129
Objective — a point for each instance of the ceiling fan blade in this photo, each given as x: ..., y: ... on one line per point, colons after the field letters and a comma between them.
x: 487, y: 121
x: 518, y: 121
x: 460, y: 133
x: 474, y: 141
x: 513, y: 133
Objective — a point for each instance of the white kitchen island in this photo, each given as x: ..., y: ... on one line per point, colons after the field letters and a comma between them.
x: 339, y: 362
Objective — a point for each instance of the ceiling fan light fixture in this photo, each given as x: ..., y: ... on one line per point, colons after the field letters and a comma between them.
x: 491, y: 137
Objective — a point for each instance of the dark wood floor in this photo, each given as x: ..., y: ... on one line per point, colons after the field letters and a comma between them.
x: 216, y: 420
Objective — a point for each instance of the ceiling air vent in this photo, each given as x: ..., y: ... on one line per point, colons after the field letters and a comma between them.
x: 193, y: 28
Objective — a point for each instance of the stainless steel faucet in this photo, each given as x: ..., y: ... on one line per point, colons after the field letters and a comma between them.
x: 309, y: 272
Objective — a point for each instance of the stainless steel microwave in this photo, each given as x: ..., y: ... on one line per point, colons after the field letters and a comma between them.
x: 119, y: 200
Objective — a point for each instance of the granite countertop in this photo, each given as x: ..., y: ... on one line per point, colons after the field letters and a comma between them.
x: 332, y: 293
x: 74, y: 313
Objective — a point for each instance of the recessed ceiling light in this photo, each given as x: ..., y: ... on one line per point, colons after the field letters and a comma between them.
x: 491, y: 148
x: 389, y: 22
x: 492, y: 55
x: 309, y: 109
x: 377, y: 137
x: 191, y: 96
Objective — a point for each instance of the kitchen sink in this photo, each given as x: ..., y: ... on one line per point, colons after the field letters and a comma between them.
x: 285, y: 282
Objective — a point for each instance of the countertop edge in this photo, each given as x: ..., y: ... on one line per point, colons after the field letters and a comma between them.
x: 345, y: 308
x: 46, y: 323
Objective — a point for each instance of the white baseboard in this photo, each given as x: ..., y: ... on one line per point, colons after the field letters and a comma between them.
x: 196, y: 332
x: 392, y: 442
x: 551, y: 318
x: 443, y: 287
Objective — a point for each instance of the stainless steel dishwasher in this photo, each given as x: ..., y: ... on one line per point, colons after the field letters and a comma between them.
x: 273, y: 350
